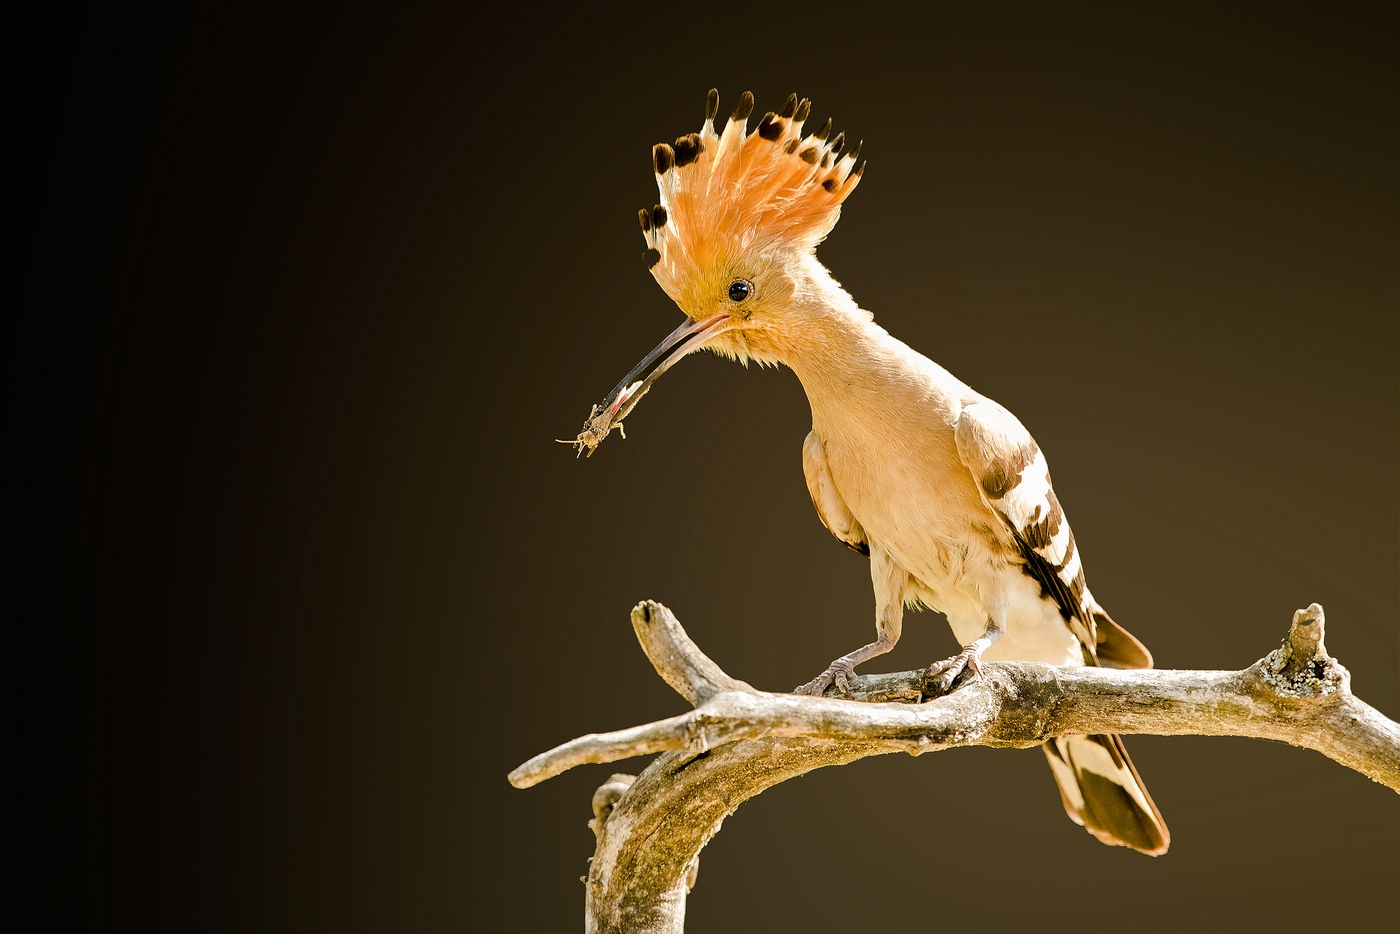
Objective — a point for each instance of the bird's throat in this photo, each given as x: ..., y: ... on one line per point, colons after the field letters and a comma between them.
x: 844, y: 361
x: 858, y: 377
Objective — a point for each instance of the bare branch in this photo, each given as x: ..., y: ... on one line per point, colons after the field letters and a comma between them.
x: 604, y: 747
x: 739, y: 741
x: 678, y: 661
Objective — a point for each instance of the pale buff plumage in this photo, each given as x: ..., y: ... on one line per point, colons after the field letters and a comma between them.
x: 941, y: 486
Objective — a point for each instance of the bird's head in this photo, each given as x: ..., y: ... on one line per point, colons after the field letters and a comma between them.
x: 739, y: 220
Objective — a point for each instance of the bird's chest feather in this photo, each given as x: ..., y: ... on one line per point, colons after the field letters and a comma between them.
x: 915, y: 499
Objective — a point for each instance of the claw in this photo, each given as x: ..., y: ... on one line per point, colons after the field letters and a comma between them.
x: 942, y: 676
x: 840, y: 672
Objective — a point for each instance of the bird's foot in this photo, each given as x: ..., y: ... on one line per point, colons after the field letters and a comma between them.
x: 963, y: 668
x: 840, y: 671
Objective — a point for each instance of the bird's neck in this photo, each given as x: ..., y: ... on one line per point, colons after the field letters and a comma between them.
x: 845, y: 361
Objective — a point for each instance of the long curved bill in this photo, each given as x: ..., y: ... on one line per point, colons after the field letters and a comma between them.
x: 691, y: 335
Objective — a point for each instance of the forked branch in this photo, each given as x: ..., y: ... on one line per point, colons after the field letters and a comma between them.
x: 738, y: 741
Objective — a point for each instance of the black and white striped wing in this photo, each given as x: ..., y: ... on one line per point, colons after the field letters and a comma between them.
x: 1014, y: 481
x: 1098, y: 784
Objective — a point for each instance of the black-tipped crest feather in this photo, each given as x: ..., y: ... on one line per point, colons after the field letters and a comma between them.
x: 662, y: 158
x: 743, y: 108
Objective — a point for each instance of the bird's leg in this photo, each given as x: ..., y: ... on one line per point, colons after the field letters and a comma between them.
x: 890, y: 581
x: 843, y: 668
x: 940, y: 677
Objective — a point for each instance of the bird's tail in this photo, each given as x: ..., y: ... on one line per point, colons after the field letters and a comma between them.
x: 1104, y: 793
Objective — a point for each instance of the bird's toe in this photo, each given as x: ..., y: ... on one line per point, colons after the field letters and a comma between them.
x: 943, y: 676
x: 839, y: 673
x: 816, y: 686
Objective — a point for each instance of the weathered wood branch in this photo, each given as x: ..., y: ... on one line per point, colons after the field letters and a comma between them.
x: 739, y: 741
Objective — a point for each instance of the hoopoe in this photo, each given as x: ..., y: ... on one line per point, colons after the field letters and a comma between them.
x: 941, y: 487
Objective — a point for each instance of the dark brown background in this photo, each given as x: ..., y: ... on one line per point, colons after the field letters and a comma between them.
x: 309, y: 294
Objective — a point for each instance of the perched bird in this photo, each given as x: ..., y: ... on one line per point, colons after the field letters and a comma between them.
x: 940, y: 486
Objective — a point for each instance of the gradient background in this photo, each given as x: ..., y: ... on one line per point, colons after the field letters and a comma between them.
x: 309, y: 294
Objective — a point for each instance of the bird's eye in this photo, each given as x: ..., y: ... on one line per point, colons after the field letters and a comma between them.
x: 739, y: 290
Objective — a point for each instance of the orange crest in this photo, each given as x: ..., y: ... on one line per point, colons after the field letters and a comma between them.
x: 729, y: 194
